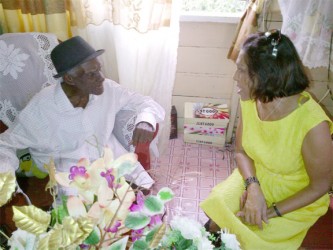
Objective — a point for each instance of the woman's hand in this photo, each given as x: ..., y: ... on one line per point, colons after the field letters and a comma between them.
x: 253, y: 208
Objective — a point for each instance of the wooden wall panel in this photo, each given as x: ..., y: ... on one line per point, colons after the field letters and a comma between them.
x: 204, y: 60
x: 211, y: 35
x: 211, y: 86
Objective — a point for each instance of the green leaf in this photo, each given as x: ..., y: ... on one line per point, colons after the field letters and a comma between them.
x: 53, y: 218
x: 93, y: 238
x: 172, y: 237
x: 120, y: 244
x: 125, y: 167
x: 136, y: 220
x: 153, y: 205
x: 151, y: 233
x: 165, y: 194
x: 64, y: 203
x: 140, y: 245
x: 192, y: 247
x: 183, y: 244
x: 58, y: 214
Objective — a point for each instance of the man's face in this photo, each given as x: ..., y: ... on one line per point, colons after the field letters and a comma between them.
x: 88, y: 78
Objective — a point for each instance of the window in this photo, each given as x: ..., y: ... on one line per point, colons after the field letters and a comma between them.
x: 213, y: 10
x: 216, y: 6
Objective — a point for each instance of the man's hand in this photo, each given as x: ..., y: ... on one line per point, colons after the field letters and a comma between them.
x: 143, y: 133
x: 253, y: 208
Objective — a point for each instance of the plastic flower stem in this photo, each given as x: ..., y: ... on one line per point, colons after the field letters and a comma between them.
x: 100, y: 229
x: 114, y: 239
x: 4, y: 235
x: 113, y: 218
x: 115, y: 193
x: 96, y: 145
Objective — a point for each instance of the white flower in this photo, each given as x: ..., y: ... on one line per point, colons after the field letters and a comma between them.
x: 190, y: 229
x: 22, y: 240
x: 11, y: 60
x: 205, y: 244
x: 230, y: 240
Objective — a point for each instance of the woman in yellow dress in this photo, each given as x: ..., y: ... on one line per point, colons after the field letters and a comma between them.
x: 284, y: 151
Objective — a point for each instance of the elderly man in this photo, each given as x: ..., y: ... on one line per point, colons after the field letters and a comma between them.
x: 75, y: 119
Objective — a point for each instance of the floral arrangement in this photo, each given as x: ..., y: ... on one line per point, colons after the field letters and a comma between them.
x: 106, y: 213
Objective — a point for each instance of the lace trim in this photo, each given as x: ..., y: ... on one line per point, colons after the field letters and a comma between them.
x: 7, y: 112
x: 45, y: 46
x: 128, y: 132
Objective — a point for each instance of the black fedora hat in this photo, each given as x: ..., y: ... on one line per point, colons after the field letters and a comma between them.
x: 71, y: 53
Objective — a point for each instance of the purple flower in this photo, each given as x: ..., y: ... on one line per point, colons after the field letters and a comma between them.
x: 77, y: 171
x: 109, y: 177
x: 138, y: 206
x: 155, y: 220
x: 113, y: 229
x: 136, y: 234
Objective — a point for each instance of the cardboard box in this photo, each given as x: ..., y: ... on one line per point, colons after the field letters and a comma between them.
x: 205, y: 123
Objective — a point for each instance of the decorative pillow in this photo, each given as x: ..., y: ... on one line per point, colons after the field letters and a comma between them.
x: 28, y: 166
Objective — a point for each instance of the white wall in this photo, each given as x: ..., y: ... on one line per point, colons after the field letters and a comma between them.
x: 204, y: 74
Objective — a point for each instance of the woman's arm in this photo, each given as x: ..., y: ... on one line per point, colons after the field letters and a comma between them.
x: 244, y: 162
x: 317, y: 152
x: 252, y: 205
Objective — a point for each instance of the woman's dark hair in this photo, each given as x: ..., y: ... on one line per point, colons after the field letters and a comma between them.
x: 273, y: 74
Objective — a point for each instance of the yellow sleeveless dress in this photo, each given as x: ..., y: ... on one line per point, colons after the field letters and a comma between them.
x: 275, y: 147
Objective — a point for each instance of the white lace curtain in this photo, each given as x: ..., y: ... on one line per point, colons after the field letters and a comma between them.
x: 309, y: 24
x: 20, y: 55
x: 141, y: 42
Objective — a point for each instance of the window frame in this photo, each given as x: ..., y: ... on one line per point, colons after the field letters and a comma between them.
x: 201, y: 16
x: 209, y: 16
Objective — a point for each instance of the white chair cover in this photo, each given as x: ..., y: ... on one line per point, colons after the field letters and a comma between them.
x: 25, y: 68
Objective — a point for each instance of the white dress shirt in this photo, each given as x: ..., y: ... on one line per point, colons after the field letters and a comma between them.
x: 51, y: 127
